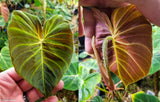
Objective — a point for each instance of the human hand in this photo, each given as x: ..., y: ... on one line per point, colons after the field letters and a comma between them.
x: 12, y: 87
x: 91, y: 25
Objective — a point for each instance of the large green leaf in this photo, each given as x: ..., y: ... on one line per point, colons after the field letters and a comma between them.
x: 156, y: 50
x: 130, y: 54
x: 71, y: 77
x: 142, y: 97
x: 5, y: 59
x: 40, y: 56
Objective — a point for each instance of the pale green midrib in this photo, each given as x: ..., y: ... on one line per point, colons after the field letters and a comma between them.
x: 43, y: 77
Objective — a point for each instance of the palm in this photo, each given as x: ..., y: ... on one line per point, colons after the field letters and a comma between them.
x: 12, y: 88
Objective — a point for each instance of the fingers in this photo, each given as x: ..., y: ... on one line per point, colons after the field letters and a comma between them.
x: 88, y: 2
x: 13, y: 74
x: 89, y: 29
x: 24, y: 85
x: 51, y: 99
x: 33, y: 94
x: 58, y: 87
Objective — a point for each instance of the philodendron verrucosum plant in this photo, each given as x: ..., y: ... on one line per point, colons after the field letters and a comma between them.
x: 126, y: 42
x: 41, y: 55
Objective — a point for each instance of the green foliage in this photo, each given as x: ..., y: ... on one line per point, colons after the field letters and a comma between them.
x: 88, y: 84
x: 71, y: 77
x: 2, y: 21
x: 3, y: 38
x: 97, y: 99
x: 5, y: 60
x: 83, y: 54
x: 78, y: 77
x: 142, y: 97
x: 156, y: 50
x: 37, y: 3
x: 40, y: 55
x: 89, y: 64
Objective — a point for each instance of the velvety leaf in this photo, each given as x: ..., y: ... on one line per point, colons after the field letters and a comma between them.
x: 40, y: 56
x: 5, y: 59
x: 97, y: 99
x: 130, y: 54
x: 142, y: 97
x: 4, y: 11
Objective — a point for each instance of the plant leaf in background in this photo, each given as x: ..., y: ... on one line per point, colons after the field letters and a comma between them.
x: 40, y: 56
x: 4, y: 11
x: 142, y: 97
x: 89, y: 64
x: 5, y: 59
x: 71, y: 77
x: 97, y: 99
x: 2, y: 21
x: 37, y: 3
x: 156, y: 50
x: 88, y: 83
x: 131, y: 54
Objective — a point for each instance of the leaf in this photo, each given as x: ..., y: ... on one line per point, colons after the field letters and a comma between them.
x: 142, y: 97
x: 130, y: 54
x: 5, y: 59
x: 97, y: 99
x: 37, y: 3
x: 89, y: 64
x: 83, y: 54
x: 71, y: 77
x: 156, y: 50
x: 40, y: 56
x: 2, y: 21
x: 88, y: 84
x: 4, y: 11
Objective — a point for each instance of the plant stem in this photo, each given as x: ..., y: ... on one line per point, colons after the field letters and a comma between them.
x: 101, y: 89
x: 44, y: 9
x: 105, y: 58
x: 118, y: 96
x: 156, y: 82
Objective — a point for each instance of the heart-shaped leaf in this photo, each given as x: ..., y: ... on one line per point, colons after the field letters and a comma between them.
x: 130, y: 54
x: 40, y: 56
